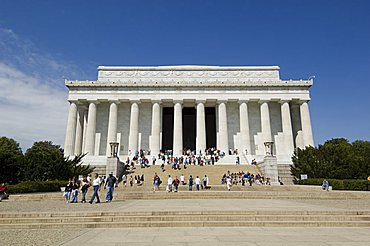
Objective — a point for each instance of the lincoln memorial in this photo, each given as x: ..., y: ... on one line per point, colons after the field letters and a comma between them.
x: 188, y: 107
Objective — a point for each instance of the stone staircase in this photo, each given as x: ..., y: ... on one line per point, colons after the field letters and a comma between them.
x: 213, y: 172
x: 217, y: 192
x: 185, y: 219
x: 285, y: 174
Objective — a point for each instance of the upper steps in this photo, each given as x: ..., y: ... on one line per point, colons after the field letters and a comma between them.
x: 213, y: 172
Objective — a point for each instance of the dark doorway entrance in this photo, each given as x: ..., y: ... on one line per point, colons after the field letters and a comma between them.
x: 189, y: 128
x: 167, y: 129
x: 211, y: 127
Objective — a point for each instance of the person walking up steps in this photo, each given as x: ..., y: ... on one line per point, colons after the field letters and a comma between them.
x: 169, y: 184
x: 124, y: 180
x: 96, y: 187
x: 228, y: 183
x: 111, y: 181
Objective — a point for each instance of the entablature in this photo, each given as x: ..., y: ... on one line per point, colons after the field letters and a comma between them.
x: 151, y: 82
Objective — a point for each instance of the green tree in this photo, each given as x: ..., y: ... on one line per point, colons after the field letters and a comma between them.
x: 362, y: 151
x: 336, y: 158
x: 46, y: 161
x: 11, y: 160
x: 75, y: 166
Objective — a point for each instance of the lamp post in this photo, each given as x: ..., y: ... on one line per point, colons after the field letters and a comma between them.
x: 113, y: 149
x: 269, y: 148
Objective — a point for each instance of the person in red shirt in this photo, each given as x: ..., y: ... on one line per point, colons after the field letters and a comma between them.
x: 176, y: 183
x: 3, y: 192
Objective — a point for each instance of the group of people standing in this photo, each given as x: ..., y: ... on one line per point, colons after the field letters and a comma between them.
x: 74, y: 187
x: 189, y: 157
x: 173, y: 183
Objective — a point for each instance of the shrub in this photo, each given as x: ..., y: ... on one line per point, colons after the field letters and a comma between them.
x: 340, y: 184
x: 37, y: 186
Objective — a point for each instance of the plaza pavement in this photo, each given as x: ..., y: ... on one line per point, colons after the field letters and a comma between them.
x: 189, y: 236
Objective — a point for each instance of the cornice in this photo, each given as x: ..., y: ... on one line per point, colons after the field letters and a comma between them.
x: 189, y: 83
x: 186, y: 68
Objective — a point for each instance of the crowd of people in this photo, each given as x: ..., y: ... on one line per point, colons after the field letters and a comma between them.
x: 242, y: 178
x: 75, y: 187
x: 189, y: 157
x: 174, y: 183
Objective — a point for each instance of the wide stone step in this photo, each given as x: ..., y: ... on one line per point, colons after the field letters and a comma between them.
x: 187, y: 213
x: 227, y: 223
x: 175, y: 218
x: 145, y: 195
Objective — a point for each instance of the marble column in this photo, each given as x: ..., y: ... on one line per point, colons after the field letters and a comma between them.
x: 244, y: 128
x: 79, y: 129
x: 223, y: 139
x: 287, y: 127
x: 265, y: 121
x: 133, y: 140
x: 177, y: 130
x: 201, y: 128
x: 112, y: 126
x: 156, y: 129
x: 306, y: 124
x: 71, y: 130
x: 84, y: 131
x: 91, y: 129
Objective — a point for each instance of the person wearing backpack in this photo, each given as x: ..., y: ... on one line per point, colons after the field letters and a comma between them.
x: 109, y: 184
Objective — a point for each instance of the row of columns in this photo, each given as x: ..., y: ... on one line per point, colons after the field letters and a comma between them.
x: 79, y: 126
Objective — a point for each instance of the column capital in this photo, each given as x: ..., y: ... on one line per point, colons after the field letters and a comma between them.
x: 114, y: 101
x: 243, y: 101
x: 156, y: 101
x: 219, y: 101
x: 263, y: 101
x: 177, y: 101
x: 300, y: 102
x: 135, y: 101
x: 284, y: 101
x: 200, y: 101
x: 93, y: 101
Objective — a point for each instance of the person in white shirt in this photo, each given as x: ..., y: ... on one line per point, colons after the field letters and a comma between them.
x: 182, y: 179
x: 197, y: 183
x: 96, y: 186
x: 205, y: 182
x: 228, y: 183
x: 169, y: 184
x: 124, y: 179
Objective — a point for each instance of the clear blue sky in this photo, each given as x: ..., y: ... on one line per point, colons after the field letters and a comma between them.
x: 329, y: 39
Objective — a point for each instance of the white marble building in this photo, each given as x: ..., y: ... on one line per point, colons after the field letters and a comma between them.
x: 176, y: 107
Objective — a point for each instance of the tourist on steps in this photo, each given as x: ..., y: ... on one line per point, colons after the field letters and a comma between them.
x: 68, y: 190
x: 85, y: 184
x: 176, y: 183
x: 169, y: 184
x: 96, y: 187
x: 190, y: 183
x: 109, y: 185
x: 197, y: 183
x: 228, y: 183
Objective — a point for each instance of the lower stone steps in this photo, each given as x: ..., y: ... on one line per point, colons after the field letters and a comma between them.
x: 172, y: 218
x: 244, y: 193
x: 185, y: 219
x: 189, y: 223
